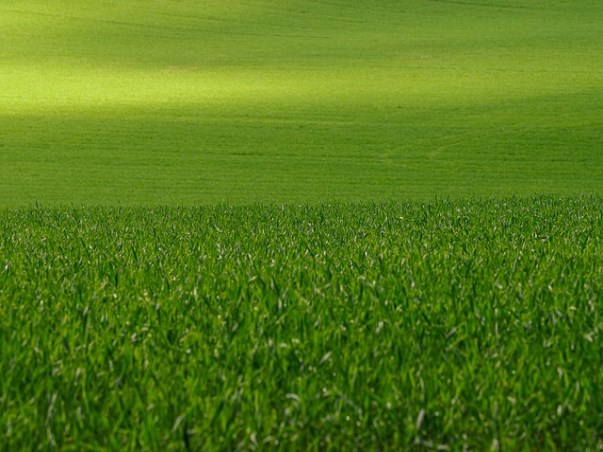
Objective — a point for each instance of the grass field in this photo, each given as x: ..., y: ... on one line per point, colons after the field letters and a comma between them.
x: 189, y: 102
x: 355, y: 326
x: 301, y: 224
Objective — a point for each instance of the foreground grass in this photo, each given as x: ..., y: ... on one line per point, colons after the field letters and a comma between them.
x: 445, y: 324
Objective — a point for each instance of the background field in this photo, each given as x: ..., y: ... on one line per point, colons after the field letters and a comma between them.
x: 155, y: 102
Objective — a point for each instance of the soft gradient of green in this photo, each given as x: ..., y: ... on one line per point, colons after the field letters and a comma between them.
x: 368, y: 283
x: 440, y: 326
x: 164, y: 102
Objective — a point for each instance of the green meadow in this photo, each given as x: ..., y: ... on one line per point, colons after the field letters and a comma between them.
x: 196, y: 102
x: 447, y: 325
x: 301, y: 225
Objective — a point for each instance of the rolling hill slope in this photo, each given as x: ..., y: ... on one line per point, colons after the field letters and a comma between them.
x: 162, y: 102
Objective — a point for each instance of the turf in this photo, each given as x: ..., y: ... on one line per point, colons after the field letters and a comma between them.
x: 440, y: 325
x: 193, y: 102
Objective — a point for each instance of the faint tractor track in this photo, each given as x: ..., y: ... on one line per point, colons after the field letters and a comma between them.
x: 479, y: 4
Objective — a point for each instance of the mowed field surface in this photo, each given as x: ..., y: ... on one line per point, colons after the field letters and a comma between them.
x: 188, y: 102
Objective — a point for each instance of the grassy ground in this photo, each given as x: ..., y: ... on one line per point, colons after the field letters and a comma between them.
x: 350, y: 308
x: 153, y: 102
x: 372, y: 326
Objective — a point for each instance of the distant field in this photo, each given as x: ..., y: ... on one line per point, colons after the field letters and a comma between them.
x: 188, y: 102
x: 350, y: 326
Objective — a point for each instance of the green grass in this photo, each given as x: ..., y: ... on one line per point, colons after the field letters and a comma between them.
x: 340, y: 326
x: 301, y: 224
x: 189, y: 102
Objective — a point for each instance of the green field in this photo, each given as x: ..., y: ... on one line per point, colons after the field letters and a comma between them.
x: 348, y: 326
x: 195, y: 102
x: 301, y: 225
